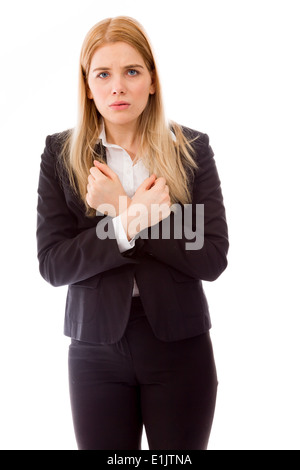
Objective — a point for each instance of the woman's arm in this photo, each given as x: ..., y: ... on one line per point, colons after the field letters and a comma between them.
x: 67, y: 253
x: 210, y: 260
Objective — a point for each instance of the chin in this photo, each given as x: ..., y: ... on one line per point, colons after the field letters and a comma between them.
x: 121, y: 120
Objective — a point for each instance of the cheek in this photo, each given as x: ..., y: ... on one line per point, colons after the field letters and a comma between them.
x: 99, y: 95
x: 96, y: 93
x: 142, y: 94
x: 100, y: 99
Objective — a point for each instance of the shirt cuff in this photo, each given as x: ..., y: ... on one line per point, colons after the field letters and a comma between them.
x: 123, y: 243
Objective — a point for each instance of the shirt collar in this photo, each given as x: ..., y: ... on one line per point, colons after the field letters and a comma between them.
x: 102, y: 137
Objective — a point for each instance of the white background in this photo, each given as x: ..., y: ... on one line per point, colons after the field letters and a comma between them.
x: 230, y: 69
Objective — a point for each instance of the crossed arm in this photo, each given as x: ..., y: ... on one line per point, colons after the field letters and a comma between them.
x: 149, y: 205
x: 69, y: 252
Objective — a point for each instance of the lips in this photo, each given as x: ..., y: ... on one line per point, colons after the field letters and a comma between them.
x: 119, y: 105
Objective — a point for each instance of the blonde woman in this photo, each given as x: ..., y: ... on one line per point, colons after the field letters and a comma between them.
x: 131, y: 218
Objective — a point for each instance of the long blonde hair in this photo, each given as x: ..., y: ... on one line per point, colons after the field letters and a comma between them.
x: 161, y: 153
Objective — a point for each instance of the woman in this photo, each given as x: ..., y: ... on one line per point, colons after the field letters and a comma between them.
x: 120, y: 221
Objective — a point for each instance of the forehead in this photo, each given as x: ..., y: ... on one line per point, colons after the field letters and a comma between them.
x: 117, y: 54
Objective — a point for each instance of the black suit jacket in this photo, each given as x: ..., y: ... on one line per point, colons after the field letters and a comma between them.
x: 100, y: 278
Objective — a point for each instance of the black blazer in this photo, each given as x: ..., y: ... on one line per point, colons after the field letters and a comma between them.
x: 100, y: 278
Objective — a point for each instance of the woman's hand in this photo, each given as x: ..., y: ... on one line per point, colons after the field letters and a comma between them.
x: 150, y: 204
x: 105, y: 192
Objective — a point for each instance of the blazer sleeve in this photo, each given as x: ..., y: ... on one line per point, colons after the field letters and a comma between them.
x: 209, y: 261
x: 66, y: 253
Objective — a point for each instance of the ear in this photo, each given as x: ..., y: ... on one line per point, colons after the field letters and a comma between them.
x: 88, y: 92
x: 152, y: 89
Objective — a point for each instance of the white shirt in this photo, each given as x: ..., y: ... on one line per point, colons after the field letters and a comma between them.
x: 131, y: 176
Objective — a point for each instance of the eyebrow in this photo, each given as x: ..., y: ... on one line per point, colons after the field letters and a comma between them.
x: 132, y: 66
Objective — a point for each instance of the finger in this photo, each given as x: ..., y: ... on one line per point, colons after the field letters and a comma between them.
x: 96, y: 173
x: 148, y: 182
x: 161, y: 182
x: 153, y: 176
x: 105, y: 169
x: 89, y: 187
x: 158, y: 184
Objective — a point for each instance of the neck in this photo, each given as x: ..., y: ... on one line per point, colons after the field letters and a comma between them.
x: 123, y: 135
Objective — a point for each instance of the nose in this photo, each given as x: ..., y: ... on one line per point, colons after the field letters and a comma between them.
x: 118, y: 87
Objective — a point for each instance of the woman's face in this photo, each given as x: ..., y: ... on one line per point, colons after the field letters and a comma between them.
x: 119, y: 83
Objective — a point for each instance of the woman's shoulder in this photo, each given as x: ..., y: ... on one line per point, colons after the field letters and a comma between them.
x: 52, y: 158
x: 55, y: 142
x: 195, y: 136
x: 199, y: 142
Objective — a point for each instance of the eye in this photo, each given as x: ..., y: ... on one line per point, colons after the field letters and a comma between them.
x: 132, y: 72
x: 103, y: 75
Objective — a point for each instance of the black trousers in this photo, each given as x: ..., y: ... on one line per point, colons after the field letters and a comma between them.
x: 168, y: 387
